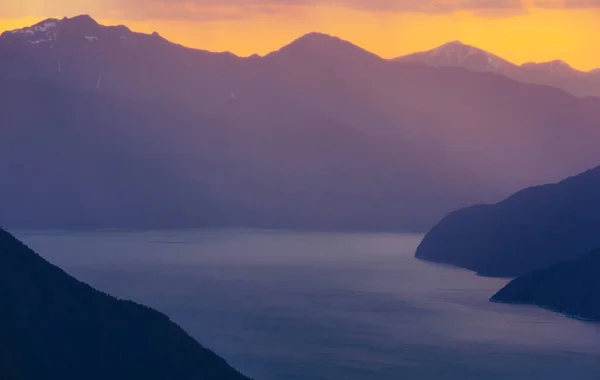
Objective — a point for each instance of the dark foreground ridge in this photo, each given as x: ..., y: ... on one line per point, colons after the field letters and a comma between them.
x: 530, y: 230
x: 55, y: 327
x: 569, y: 287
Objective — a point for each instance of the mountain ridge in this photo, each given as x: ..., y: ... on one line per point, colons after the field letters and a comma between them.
x: 457, y: 54
x: 555, y: 73
x: 458, y: 45
x: 87, y: 19
x: 381, y: 133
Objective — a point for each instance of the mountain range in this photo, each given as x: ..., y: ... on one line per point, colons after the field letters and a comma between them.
x: 555, y: 73
x: 105, y: 127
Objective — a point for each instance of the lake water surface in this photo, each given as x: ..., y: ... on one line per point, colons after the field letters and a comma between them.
x: 321, y: 306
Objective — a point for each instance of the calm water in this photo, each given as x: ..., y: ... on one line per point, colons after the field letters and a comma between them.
x: 328, y: 306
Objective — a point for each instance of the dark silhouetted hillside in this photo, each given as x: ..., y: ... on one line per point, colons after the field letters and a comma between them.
x: 530, y: 230
x: 570, y: 287
x: 55, y: 327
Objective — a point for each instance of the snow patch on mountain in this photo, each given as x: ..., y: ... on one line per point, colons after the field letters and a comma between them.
x: 457, y: 54
x: 43, y: 27
x: 44, y: 31
x: 453, y: 52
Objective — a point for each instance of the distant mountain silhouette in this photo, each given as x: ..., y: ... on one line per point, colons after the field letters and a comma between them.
x: 569, y: 287
x: 457, y: 54
x: 530, y: 230
x: 86, y: 160
x: 555, y: 73
x: 319, y: 134
x: 55, y: 327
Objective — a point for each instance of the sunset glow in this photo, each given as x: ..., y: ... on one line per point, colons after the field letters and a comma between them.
x: 570, y: 32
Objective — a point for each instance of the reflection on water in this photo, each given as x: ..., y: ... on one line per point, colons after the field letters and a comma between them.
x: 328, y: 306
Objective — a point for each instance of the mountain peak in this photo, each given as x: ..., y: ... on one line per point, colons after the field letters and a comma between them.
x: 41, y: 26
x: 51, y: 24
x: 455, y: 52
x: 49, y: 31
x: 555, y: 65
x: 43, y: 31
x: 323, y: 45
x: 458, y: 46
x: 458, y: 54
x: 454, y: 43
x: 81, y: 20
x: 316, y: 37
x: 559, y: 63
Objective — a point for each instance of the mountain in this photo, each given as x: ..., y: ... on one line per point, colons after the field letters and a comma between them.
x: 561, y: 75
x: 469, y: 115
x: 554, y: 73
x: 87, y: 160
x: 320, y: 134
x: 457, y: 54
x: 530, y: 230
x: 55, y: 327
x: 569, y: 287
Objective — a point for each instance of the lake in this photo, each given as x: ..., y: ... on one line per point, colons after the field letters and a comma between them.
x: 328, y: 306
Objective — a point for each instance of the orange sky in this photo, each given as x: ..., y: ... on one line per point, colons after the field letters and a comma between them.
x: 570, y: 33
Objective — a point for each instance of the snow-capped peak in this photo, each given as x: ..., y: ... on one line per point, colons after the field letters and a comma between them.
x: 42, y: 27
x: 42, y: 32
x: 453, y: 52
x: 458, y: 54
x: 50, y: 29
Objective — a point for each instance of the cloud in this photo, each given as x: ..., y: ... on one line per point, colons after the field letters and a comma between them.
x: 432, y: 6
x: 233, y: 9
x: 49, y: 8
x: 9, y: 9
x: 239, y: 8
x: 567, y: 4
